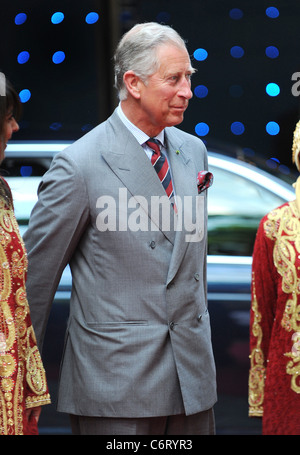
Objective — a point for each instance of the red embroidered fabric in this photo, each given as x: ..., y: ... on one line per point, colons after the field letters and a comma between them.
x: 23, y: 382
x: 274, y: 384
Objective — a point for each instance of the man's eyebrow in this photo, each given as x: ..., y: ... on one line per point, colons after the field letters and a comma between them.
x: 176, y: 73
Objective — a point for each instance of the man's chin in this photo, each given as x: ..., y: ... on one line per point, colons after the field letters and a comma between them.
x: 178, y: 119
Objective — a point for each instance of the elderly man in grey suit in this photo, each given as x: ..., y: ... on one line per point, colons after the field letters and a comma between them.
x: 138, y: 357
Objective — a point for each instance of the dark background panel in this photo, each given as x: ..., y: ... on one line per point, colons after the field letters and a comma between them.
x: 237, y: 86
x: 69, y: 98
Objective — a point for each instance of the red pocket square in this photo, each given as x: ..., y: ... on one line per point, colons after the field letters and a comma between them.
x: 204, y: 180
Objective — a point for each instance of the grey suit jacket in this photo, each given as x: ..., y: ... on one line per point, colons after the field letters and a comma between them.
x: 138, y: 340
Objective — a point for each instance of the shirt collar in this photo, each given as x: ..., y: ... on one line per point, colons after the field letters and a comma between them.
x: 140, y: 136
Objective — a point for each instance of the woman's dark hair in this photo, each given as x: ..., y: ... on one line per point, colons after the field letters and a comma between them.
x: 9, y: 102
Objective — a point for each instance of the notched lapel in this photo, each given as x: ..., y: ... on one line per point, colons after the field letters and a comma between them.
x: 184, y: 181
x: 131, y: 165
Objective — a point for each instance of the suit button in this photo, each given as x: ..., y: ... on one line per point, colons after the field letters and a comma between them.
x: 172, y: 325
x: 152, y: 244
x: 199, y: 317
x: 197, y: 276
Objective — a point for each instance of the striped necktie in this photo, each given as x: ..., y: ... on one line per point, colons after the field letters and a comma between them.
x: 160, y: 164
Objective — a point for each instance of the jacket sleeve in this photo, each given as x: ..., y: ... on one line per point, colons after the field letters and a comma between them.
x: 56, y: 224
x: 263, y: 300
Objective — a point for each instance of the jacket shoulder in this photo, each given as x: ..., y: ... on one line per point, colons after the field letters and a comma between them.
x: 95, y: 141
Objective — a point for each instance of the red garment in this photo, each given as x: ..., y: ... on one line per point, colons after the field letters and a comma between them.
x: 22, y: 377
x: 31, y: 427
x: 274, y: 382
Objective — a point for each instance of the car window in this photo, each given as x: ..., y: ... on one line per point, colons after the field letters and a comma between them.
x: 24, y: 166
x: 235, y: 208
x: 23, y: 174
x: 24, y: 192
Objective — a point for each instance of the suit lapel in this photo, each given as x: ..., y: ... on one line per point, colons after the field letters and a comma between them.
x: 183, y: 174
x: 130, y: 163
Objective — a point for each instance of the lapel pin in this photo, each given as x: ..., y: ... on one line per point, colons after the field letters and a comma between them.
x: 177, y: 152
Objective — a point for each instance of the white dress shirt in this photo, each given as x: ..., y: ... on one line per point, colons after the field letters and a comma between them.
x: 140, y: 136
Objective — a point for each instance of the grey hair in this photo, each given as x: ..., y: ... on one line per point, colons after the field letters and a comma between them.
x: 137, y: 52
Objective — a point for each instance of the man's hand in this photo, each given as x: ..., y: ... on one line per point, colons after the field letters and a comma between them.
x: 33, y: 413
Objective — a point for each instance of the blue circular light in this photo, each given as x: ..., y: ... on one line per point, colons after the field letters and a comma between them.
x: 272, y: 52
x: 272, y: 163
x: 237, y: 51
x: 201, y: 91
x: 200, y: 54
x: 20, y: 18
x: 237, y: 128
x: 57, y: 18
x: 272, y: 12
x: 202, y: 129
x: 23, y: 57
x: 91, y: 18
x: 26, y: 171
x: 55, y: 126
x: 25, y: 95
x: 272, y: 89
x: 284, y: 169
x: 58, y: 57
x: 236, y: 13
x: 272, y: 128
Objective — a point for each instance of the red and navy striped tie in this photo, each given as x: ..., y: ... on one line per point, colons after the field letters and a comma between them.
x: 160, y: 164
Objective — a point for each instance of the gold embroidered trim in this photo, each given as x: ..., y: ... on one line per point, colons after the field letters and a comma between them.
x: 257, y: 369
x: 35, y: 376
x: 33, y: 401
x: 283, y: 227
x: 20, y: 362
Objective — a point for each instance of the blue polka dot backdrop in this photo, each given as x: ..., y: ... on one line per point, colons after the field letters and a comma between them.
x: 58, y: 57
x: 245, y: 55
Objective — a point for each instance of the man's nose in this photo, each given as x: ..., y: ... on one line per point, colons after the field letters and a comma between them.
x: 185, y: 89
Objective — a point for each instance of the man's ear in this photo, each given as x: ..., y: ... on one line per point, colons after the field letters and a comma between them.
x: 132, y: 83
